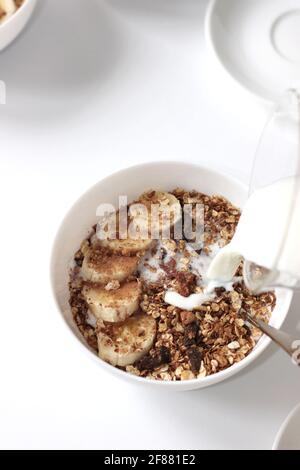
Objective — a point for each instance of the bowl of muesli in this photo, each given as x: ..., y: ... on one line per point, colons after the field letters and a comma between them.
x: 138, y: 300
x: 14, y: 15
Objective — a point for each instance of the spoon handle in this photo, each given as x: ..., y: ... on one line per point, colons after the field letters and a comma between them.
x: 289, y: 344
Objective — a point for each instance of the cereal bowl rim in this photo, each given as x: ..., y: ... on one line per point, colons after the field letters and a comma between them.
x: 18, y: 12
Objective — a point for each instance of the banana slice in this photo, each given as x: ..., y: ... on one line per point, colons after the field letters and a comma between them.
x: 113, y: 305
x: 127, y: 246
x: 101, y: 268
x: 108, y: 237
x: 125, y: 343
x: 160, y: 212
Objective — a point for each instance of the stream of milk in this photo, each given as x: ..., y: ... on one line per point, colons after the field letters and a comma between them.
x: 268, y: 233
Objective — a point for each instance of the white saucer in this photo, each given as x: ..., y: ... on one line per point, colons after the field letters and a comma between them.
x: 288, y: 437
x: 257, y: 42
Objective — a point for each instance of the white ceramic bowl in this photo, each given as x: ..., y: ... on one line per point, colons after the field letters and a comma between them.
x: 132, y: 182
x: 288, y: 437
x: 11, y: 28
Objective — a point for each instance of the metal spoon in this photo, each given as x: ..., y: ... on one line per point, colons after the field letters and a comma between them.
x: 288, y: 343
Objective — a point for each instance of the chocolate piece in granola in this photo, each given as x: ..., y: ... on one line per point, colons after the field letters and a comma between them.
x: 191, y: 334
x: 195, y: 358
x: 185, y: 283
x: 160, y: 357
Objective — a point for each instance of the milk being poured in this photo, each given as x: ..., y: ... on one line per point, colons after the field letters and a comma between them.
x: 268, y: 233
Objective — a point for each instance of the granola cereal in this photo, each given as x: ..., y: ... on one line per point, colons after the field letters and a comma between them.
x: 187, y: 344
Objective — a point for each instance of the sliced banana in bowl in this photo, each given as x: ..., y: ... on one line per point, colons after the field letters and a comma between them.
x: 100, y: 267
x: 109, y: 265
x: 155, y: 213
x: 128, y: 246
x: 113, y: 305
x: 122, y: 344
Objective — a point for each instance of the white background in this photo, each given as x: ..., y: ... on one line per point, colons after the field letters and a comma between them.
x: 93, y: 86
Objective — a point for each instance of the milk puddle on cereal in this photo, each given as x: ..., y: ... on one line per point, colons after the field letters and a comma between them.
x: 146, y: 306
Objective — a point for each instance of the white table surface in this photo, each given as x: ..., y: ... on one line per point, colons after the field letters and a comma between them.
x: 92, y: 87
